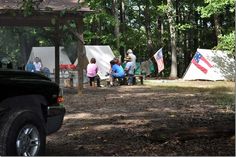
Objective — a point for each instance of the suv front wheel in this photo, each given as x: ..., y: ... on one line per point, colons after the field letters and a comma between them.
x: 23, y: 134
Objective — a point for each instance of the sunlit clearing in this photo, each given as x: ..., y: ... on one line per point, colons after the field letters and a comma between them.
x: 85, y: 116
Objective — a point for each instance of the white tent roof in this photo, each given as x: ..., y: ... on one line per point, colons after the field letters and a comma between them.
x: 103, y: 56
x: 47, y: 56
x: 222, y: 67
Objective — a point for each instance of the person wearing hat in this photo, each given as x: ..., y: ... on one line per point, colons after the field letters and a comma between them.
x: 129, y: 69
x: 132, y: 56
x: 133, y: 59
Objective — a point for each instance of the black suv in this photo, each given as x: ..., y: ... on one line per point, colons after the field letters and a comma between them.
x: 30, y: 108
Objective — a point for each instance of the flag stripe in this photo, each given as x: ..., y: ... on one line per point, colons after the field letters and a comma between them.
x: 160, y: 65
x: 205, y: 61
x: 204, y: 70
x: 159, y: 59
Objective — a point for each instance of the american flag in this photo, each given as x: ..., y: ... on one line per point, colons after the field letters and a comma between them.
x: 159, y: 59
x: 201, y: 62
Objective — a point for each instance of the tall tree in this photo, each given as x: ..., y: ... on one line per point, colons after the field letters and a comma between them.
x: 171, y: 18
x: 147, y: 23
x: 115, y: 14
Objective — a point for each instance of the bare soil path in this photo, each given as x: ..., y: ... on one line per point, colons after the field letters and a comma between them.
x: 141, y: 120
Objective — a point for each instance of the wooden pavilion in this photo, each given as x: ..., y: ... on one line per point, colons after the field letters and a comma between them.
x: 49, y: 13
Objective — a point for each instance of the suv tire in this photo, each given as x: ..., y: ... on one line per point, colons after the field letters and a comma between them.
x: 22, y: 134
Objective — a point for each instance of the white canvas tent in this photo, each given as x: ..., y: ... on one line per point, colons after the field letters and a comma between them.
x: 47, y: 56
x: 103, y: 56
x: 219, y: 66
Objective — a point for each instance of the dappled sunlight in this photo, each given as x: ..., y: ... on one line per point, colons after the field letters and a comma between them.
x: 108, y: 127
x: 83, y: 116
x: 120, y: 115
x: 111, y: 96
x: 166, y: 109
x: 129, y: 123
x: 113, y: 116
x: 226, y: 110
x: 189, y: 84
x: 134, y: 122
x: 130, y: 94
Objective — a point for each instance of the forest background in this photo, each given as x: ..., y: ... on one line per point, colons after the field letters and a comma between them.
x: 177, y: 26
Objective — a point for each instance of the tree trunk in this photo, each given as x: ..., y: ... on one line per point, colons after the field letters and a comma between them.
x: 81, y: 53
x: 217, y: 27
x: 159, y: 30
x: 170, y: 15
x: 117, y: 23
x: 23, y: 47
x: 26, y: 44
x: 148, y: 29
x: 122, y: 28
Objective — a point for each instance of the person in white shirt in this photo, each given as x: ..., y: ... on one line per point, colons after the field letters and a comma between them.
x: 38, y: 65
x: 133, y: 60
x: 129, y: 69
x: 132, y: 56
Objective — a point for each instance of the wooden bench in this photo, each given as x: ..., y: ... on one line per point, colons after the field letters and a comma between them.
x: 140, y: 77
x: 124, y: 80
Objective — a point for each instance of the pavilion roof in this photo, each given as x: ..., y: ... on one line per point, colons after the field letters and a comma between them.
x: 45, y: 5
x: 45, y: 10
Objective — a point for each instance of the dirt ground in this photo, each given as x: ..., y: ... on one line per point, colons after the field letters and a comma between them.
x: 141, y: 120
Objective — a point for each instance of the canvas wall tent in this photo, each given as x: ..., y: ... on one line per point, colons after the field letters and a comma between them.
x: 47, y: 56
x: 103, y: 56
x: 210, y: 65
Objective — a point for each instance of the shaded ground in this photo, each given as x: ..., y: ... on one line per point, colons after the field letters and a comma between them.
x: 142, y: 120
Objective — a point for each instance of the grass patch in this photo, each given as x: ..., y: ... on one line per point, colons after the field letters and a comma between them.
x: 219, y: 92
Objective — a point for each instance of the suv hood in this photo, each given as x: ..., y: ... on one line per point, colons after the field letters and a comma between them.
x: 19, y: 74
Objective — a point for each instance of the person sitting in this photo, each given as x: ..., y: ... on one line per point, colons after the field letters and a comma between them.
x: 38, y: 65
x: 130, y: 54
x: 129, y: 69
x: 92, y: 70
x: 116, y: 72
x: 46, y: 72
x: 30, y: 67
x: 117, y: 61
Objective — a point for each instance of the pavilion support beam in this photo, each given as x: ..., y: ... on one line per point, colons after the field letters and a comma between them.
x: 57, y: 55
x: 80, y: 53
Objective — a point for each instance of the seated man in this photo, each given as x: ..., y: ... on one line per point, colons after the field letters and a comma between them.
x: 116, y: 72
x: 129, y: 69
x: 30, y: 67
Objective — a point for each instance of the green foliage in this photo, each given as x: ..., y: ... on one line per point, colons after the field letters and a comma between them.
x: 227, y: 42
x: 7, y: 50
x: 28, y: 6
x: 215, y: 7
x: 184, y: 27
x: 116, y: 53
x: 162, y: 8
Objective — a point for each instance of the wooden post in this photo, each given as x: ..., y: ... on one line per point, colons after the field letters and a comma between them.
x: 81, y: 54
x: 57, y: 55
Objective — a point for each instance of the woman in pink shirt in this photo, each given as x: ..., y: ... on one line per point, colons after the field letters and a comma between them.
x: 92, y: 70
